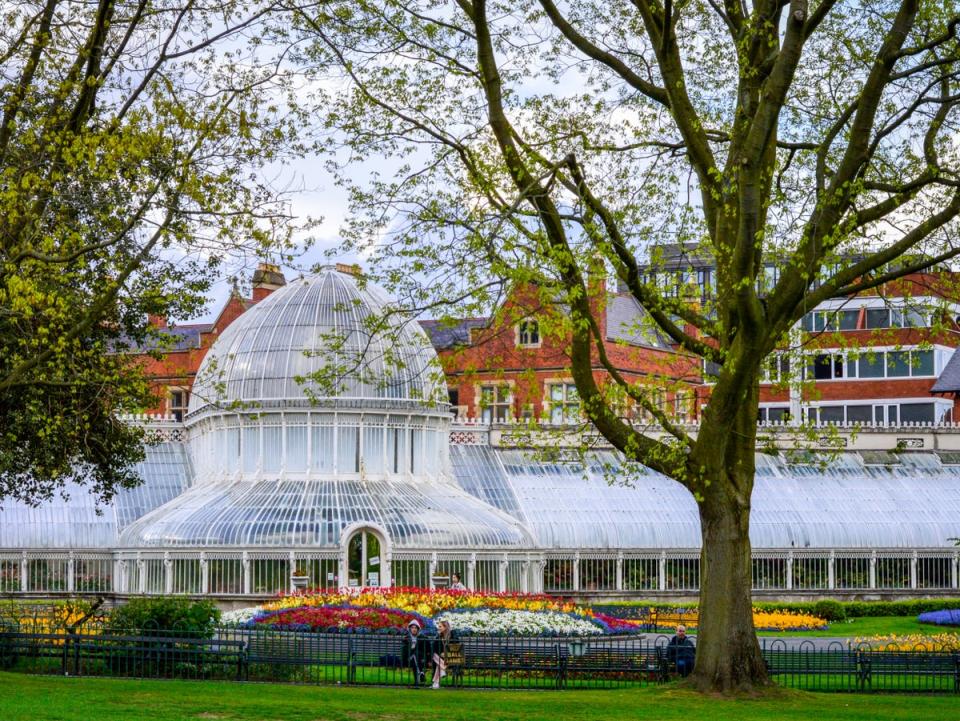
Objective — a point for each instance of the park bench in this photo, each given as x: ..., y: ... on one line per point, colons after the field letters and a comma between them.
x: 501, y: 656
x: 925, y: 670
x: 599, y: 659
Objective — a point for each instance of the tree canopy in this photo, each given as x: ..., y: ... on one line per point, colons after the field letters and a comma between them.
x: 132, y: 136
x: 528, y: 142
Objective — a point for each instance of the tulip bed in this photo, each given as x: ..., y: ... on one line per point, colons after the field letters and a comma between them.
x: 470, y: 612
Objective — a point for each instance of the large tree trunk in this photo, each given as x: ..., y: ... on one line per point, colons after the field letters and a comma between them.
x: 728, y: 654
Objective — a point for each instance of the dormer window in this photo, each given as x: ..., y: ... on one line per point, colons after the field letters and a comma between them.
x: 177, y: 401
x: 528, y: 333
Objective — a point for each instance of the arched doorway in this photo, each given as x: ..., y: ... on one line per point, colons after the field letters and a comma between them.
x: 365, y: 564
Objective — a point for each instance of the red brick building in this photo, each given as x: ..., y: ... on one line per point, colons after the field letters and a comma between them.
x: 874, y: 358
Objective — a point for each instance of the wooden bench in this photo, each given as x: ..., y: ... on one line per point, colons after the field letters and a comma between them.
x: 525, y: 655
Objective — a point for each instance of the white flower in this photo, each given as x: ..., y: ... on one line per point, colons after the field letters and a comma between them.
x: 241, y: 615
x: 523, y: 623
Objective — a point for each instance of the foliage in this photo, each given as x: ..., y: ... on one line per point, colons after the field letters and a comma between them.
x: 547, y: 145
x: 830, y: 610
x: 129, y: 139
x: 165, y: 616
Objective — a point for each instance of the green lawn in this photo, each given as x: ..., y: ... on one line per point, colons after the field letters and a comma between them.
x: 32, y: 698
x: 870, y: 626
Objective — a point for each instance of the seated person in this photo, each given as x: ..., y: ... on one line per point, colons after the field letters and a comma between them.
x: 416, y: 651
x: 681, y: 652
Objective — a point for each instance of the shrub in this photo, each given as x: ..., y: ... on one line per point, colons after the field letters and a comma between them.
x: 830, y: 610
x: 165, y: 616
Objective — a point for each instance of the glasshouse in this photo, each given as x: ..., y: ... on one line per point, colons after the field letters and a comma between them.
x: 316, y: 453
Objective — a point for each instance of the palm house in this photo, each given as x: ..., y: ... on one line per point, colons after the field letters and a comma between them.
x: 319, y: 450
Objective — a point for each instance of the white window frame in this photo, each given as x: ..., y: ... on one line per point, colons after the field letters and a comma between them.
x: 567, y: 415
x: 487, y: 411
x: 523, y: 329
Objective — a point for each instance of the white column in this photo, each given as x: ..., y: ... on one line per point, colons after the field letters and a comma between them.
x: 576, y: 571
x: 662, y: 571
x: 293, y: 569
x: 433, y: 569
x: 167, y: 574
x: 472, y: 572
x: 789, y: 578
x: 913, y: 570
x: 204, y: 574
x: 71, y: 573
x: 831, y: 571
x: 245, y: 566
x: 502, y: 575
x: 619, y: 585
x: 142, y: 575
x: 954, y: 568
x: 525, y: 580
x: 24, y: 571
x: 873, y: 569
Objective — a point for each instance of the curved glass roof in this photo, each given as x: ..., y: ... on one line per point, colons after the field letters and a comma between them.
x: 79, y: 522
x: 327, y: 322
x: 847, y: 504
x: 314, y: 512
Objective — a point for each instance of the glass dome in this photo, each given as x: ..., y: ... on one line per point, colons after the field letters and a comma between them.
x: 314, y: 513
x: 331, y: 324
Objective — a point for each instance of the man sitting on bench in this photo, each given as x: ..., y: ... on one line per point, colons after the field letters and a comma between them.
x: 681, y: 652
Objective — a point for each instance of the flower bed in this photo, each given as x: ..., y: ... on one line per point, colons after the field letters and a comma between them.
x: 338, y: 619
x: 912, y: 642
x: 787, y: 621
x: 424, y: 601
x: 507, y: 622
x: 947, y: 617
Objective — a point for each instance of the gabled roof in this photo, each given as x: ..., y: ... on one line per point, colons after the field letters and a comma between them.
x: 949, y: 380
x: 628, y: 322
x: 444, y: 334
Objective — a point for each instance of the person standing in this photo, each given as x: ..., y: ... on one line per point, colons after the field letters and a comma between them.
x: 455, y: 583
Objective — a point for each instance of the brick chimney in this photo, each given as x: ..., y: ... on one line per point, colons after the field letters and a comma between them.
x: 157, y: 321
x: 266, y: 279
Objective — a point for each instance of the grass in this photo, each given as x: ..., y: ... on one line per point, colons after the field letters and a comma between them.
x: 32, y: 698
x: 869, y: 626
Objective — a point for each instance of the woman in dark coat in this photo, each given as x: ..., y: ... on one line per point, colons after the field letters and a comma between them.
x: 416, y: 651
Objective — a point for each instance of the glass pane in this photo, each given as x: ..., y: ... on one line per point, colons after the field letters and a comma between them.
x: 878, y: 318
x: 914, y: 318
x: 297, y: 448
x: 916, y: 412
x: 859, y: 414
x: 848, y: 319
x: 872, y: 365
x: 556, y: 392
x: 898, y: 364
x: 822, y: 367
x: 922, y: 364
x: 831, y: 414
x: 808, y: 322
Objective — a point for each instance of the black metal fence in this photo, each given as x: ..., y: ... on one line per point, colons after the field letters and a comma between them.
x: 242, y: 654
